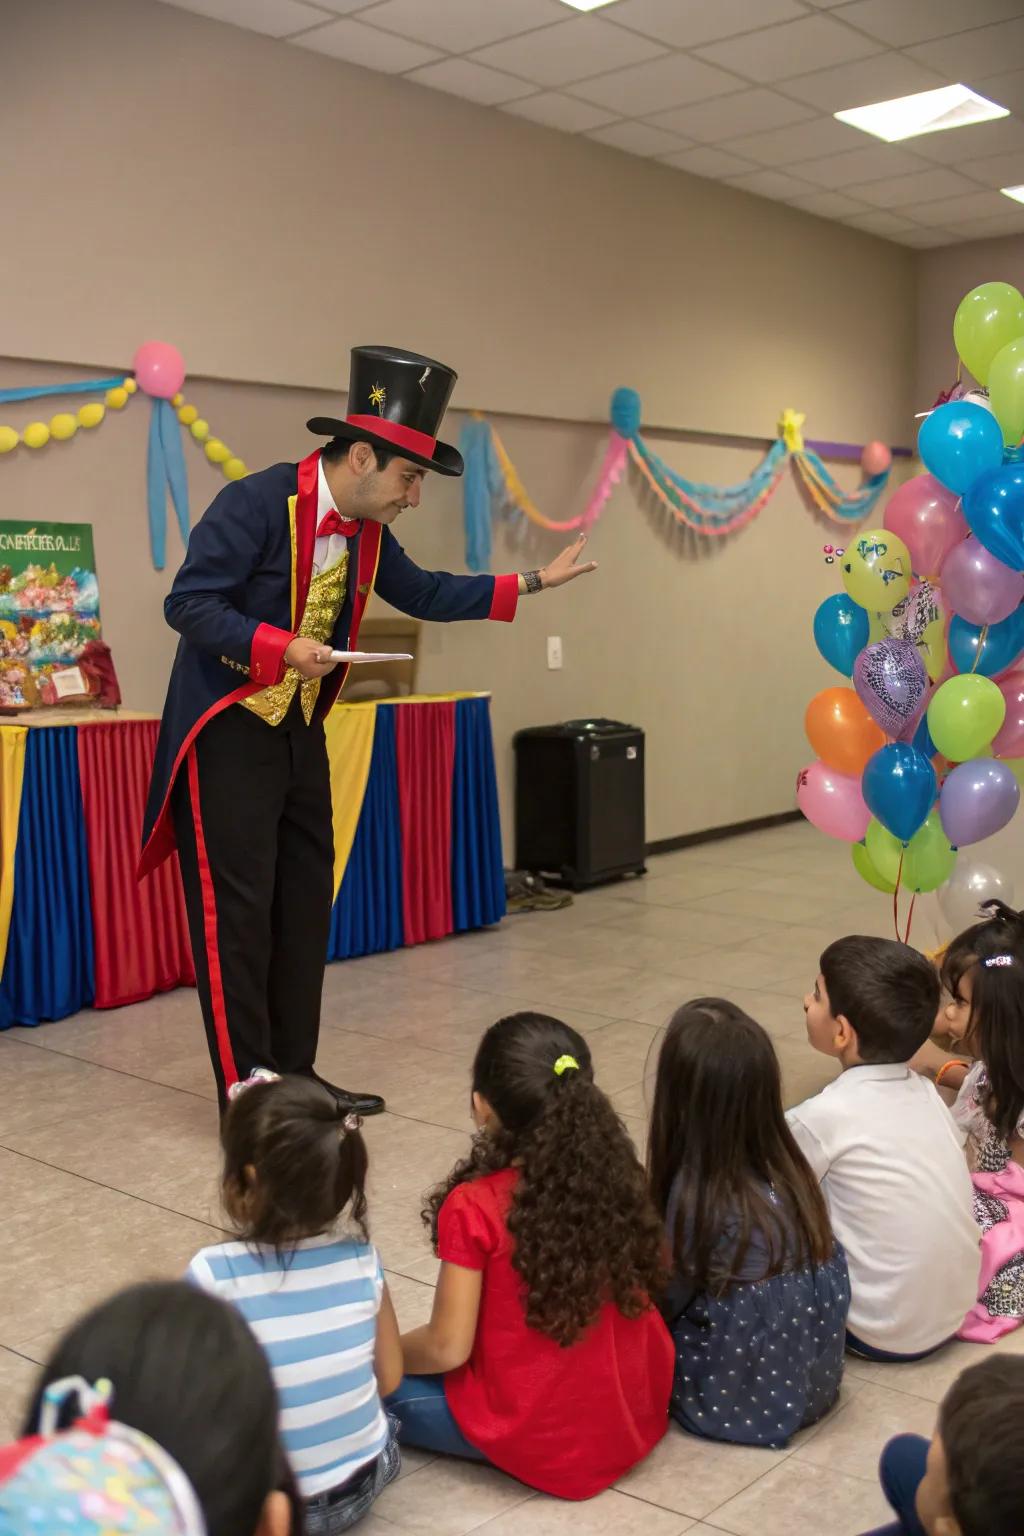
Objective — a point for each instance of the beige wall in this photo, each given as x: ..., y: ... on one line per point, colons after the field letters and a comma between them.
x: 180, y: 179
x: 944, y: 277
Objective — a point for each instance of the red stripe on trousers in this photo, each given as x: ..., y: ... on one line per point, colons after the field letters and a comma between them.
x: 220, y: 1016
x: 425, y: 747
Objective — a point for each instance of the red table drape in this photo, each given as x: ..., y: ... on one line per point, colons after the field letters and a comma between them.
x: 425, y: 749
x: 140, y: 932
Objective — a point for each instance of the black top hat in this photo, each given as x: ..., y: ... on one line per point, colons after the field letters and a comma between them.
x: 396, y: 401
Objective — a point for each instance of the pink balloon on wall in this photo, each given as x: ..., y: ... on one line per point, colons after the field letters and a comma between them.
x: 832, y: 802
x: 977, y: 586
x: 875, y: 459
x: 927, y: 517
x: 1009, y: 740
x: 159, y: 369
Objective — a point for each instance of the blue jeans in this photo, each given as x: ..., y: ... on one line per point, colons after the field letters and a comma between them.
x: 426, y: 1421
x: 900, y: 1471
x: 855, y: 1346
x: 337, y: 1510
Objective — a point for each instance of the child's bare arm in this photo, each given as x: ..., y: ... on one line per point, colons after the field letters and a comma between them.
x: 387, y: 1348
x: 445, y: 1342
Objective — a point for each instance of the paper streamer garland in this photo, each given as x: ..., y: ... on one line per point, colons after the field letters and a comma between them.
x: 492, y: 483
x: 159, y: 373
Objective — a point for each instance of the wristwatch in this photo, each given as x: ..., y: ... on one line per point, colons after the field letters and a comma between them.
x: 533, y: 581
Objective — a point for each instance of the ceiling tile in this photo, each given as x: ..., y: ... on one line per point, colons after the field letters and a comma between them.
x: 979, y: 141
x: 459, y: 25
x: 926, y: 239
x: 463, y: 77
x: 1006, y: 89
x: 879, y: 222
x: 868, y: 164
x: 1001, y: 224
x: 357, y: 44
x: 997, y: 170
x: 708, y: 161
x: 637, y: 138
x: 827, y: 205
x: 556, y: 111
x: 899, y: 22
x: 793, y: 48
x: 574, y: 49
x: 274, y: 18
x: 953, y: 212
x: 800, y: 141
x: 687, y: 23
x: 982, y: 51
x: 727, y: 117
x: 920, y: 187
x: 866, y: 81
x: 645, y: 89
x: 774, y: 184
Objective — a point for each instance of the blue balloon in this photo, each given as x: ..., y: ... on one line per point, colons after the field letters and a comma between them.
x: 994, y: 509
x: 958, y: 442
x: 899, y: 788
x: 922, y: 741
x: 1002, y: 644
x: 841, y: 631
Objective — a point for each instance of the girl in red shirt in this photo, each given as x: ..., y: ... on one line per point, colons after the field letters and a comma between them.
x: 544, y: 1354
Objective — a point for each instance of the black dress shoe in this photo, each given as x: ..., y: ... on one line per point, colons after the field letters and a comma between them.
x: 351, y: 1102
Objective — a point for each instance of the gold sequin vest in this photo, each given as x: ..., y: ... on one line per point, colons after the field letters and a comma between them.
x: 323, y: 605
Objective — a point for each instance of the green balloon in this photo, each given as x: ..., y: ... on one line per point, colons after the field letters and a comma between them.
x: 929, y: 859
x: 1006, y: 390
x: 987, y: 319
x: 884, y: 853
x: 867, y: 871
x: 964, y: 715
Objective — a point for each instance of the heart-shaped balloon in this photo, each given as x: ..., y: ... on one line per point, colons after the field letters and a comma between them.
x: 890, y: 680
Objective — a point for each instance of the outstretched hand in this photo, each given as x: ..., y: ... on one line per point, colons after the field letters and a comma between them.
x: 565, y: 567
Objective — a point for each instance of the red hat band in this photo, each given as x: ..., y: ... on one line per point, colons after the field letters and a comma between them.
x: 394, y: 432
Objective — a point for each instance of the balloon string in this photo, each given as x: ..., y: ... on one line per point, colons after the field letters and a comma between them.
x: 981, y: 646
x: 896, y: 896
x: 910, y: 918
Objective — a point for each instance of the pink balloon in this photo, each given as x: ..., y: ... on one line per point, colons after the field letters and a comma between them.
x: 159, y: 369
x: 1009, y: 740
x: 832, y: 802
x: 875, y: 459
x: 977, y: 586
x: 927, y: 517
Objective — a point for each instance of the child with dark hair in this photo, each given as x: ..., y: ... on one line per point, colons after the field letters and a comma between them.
x: 970, y: 1480
x: 887, y: 1153
x: 184, y: 1370
x: 758, y: 1301
x: 544, y: 1353
x: 315, y: 1297
x: 983, y: 977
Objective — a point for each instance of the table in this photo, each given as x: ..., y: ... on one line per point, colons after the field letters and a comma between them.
x: 417, y: 848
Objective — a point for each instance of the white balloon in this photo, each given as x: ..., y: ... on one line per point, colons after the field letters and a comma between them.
x: 971, y: 884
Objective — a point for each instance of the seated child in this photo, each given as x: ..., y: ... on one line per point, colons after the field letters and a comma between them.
x: 544, y: 1353
x: 758, y: 1301
x: 181, y: 1368
x: 970, y: 1480
x: 314, y: 1296
x: 983, y: 974
x: 888, y: 1155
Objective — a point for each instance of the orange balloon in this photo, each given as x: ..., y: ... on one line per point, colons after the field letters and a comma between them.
x: 841, y: 731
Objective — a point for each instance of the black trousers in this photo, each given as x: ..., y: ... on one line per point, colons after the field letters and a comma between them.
x: 252, y: 815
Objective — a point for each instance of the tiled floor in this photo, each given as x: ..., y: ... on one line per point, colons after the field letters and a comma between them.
x: 108, y: 1156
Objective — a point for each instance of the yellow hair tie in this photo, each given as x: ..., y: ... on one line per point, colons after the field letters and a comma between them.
x: 566, y: 1064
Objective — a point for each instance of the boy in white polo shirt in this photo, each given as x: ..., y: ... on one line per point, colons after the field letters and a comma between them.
x: 889, y: 1157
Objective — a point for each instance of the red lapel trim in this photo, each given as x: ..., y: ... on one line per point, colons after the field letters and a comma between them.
x: 305, y: 532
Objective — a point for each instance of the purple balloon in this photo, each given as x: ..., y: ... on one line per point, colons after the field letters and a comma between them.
x: 977, y: 799
x: 977, y: 586
x: 890, y: 680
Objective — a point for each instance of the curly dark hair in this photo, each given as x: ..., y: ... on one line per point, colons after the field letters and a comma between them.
x: 992, y: 950
x: 584, y: 1229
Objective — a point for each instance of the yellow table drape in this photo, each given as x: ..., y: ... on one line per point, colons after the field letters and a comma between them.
x: 349, y: 733
x: 12, y: 774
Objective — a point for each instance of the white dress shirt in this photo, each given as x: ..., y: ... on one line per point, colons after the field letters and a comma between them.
x: 892, y: 1169
x: 326, y: 552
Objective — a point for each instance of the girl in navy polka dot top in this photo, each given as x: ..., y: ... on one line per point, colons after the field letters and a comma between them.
x: 758, y: 1301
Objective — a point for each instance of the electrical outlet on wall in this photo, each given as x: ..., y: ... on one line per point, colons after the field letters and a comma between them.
x: 554, y: 652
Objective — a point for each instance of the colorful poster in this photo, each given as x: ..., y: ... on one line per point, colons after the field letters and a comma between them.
x: 51, y: 645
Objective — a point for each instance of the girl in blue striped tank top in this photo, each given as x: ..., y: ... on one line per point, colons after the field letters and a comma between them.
x: 312, y: 1291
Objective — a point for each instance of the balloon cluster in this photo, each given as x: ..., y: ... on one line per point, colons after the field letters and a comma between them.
x: 921, y: 756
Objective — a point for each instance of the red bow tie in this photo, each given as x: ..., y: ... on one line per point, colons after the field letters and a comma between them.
x: 333, y: 522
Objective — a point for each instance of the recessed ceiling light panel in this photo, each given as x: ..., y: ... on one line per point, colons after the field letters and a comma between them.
x: 1017, y: 193
x: 951, y: 106
x: 587, y: 5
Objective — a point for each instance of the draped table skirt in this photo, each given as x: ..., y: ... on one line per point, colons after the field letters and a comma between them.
x: 417, y: 844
